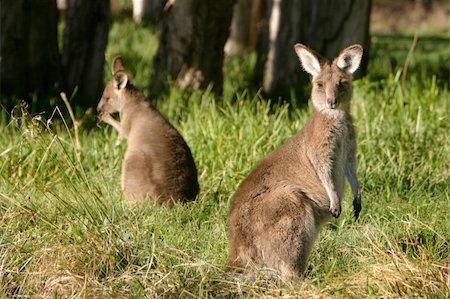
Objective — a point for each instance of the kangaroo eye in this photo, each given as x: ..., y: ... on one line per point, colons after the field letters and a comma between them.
x: 319, y: 85
x: 342, y: 85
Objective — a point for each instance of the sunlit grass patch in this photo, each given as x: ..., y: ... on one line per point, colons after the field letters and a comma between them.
x: 65, y: 230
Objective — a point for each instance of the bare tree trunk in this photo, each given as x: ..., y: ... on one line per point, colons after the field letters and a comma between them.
x: 85, y: 40
x: 147, y: 10
x: 277, y: 66
x: 192, y: 38
x: 115, y: 7
x: 238, y: 41
x: 334, y: 25
x: 29, y: 47
x: 245, y: 26
x: 326, y: 26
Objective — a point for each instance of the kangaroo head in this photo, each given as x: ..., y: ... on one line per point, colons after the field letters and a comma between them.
x: 112, y: 99
x: 332, y: 82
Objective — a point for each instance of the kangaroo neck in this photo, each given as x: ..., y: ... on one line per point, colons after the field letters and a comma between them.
x: 332, y: 113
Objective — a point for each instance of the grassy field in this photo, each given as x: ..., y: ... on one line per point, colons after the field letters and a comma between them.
x: 66, y: 232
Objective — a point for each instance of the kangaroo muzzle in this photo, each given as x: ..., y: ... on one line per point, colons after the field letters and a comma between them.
x: 331, y: 103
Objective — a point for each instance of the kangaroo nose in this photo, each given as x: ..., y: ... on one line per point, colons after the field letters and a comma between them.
x: 331, y: 103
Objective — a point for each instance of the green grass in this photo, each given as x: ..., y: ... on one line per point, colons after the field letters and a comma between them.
x: 66, y: 232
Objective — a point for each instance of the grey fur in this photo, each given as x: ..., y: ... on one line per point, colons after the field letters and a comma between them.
x: 278, y: 209
x: 158, y: 162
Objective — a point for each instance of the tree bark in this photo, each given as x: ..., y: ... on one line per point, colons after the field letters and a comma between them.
x: 85, y: 40
x: 245, y: 26
x: 191, y: 49
x: 277, y: 67
x: 29, y: 47
x: 326, y: 26
x: 334, y: 25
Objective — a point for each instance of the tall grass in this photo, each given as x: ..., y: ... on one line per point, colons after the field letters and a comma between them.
x: 66, y: 232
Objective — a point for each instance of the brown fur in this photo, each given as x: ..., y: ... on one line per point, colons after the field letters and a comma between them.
x: 158, y: 162
x: 279, y: 208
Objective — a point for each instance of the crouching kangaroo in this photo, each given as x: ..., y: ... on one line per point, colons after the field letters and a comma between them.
x: 279, y: 208
x: 158, y: 162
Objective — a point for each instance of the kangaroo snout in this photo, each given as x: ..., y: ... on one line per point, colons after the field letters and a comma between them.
x: 99, y: 107
x: 331, y: 103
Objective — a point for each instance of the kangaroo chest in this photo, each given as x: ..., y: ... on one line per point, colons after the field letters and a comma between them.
x: 341, y: 135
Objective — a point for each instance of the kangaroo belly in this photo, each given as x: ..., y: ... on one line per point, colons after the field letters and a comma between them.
x: 137, y: 175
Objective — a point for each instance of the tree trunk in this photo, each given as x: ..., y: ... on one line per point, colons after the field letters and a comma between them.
x: 192, y: 38
x: 277, y: 66
x: 245, y: 26
x: 147, y: 10
x: 85, y: 40
x: 326, y: 26
x: 29, y: 47
x: 334, y: 25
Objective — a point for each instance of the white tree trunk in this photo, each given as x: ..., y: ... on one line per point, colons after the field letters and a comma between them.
x: 147, y: 10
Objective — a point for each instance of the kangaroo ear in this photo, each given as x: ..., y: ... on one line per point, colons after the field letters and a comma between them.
x: 117, y: 65
x: 120, y: 80
x: 350, y: 58
x: 309, y: 60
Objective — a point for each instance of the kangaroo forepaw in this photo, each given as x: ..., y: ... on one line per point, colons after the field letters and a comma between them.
x: 335, y: 210
x: 357, y: 205
x: 104, y: 117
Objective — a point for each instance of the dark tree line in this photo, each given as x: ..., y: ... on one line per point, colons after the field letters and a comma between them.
x: 31, y: 61
x: 194, y: 35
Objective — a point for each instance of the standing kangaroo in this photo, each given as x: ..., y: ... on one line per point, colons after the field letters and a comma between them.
x: 278, y: 209
x: 158, y: 162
